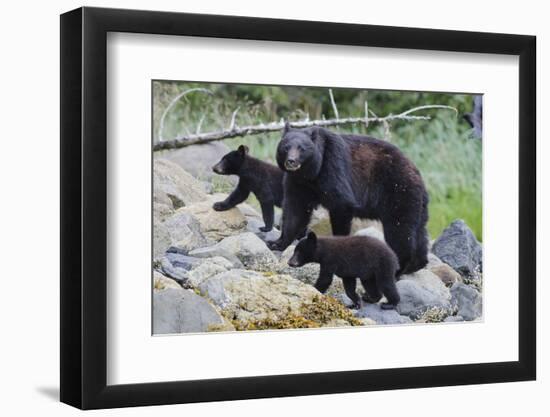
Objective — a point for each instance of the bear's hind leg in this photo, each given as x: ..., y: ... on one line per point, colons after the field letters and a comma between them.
x: 402, y: 239
x: 385, y: 280
x: 372, y: 294
x: 350, y: 285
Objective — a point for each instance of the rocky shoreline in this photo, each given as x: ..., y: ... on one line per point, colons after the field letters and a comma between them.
x: 214, y: 272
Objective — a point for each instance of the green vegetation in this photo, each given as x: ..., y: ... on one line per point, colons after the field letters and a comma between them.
x: 448, y: 158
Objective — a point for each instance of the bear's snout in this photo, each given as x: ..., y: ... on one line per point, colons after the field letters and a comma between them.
x: 293, y: 262
x: 218, y: 168
x: 292, y: 162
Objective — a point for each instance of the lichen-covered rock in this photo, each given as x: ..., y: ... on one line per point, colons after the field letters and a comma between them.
x: 161, y: 282
x: 216, y: 225
x: 379, y: 316
x: 173, y: 186
x: 206, y: 269
x: 421, y: 291
x: 246, y: 248
x: 447, y: 274
x: 182, y: 311
x: 458, y: 247
x: 467, y: 301
x: 248, y: 295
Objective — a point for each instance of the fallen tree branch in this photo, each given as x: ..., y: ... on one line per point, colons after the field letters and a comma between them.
x: 237, y: 131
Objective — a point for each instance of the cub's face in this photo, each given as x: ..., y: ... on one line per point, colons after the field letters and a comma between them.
x: 231, y: 163
x: 304, y: 252
x: 294, y: 150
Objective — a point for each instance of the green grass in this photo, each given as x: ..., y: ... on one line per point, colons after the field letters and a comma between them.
x: 449, y: 160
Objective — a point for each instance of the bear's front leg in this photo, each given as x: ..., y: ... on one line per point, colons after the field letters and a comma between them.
x: 324, y: 280
x: 238, y: 195
x: 268, y: 215
x: 296, y: 216
x: 340, y: 221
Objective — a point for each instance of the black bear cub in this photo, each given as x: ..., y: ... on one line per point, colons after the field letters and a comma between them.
x: 363, y: 257
x: 262, y: 179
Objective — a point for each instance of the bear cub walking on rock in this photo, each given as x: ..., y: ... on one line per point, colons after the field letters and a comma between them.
x: 262, y: 179
x: 363, y: 257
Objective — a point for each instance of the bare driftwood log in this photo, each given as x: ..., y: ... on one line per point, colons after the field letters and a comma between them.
x: 236, y: 131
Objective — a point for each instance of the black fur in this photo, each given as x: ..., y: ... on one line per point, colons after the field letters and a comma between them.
x: 353, y: 176
x: 262, y: 179
x: 366, y: 258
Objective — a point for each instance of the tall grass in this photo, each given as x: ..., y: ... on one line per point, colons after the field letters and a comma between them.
x: 449, y: 160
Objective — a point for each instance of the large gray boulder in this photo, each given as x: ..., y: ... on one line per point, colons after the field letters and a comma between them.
x: 183, y: 311
x: 375, y: 312
x: 197, y: 160
x: 174, y: 187
x: 245, y: 248
x: 467, y: 301
x: 420, y: 292
x: 184, y: 231
x: 458, y: 247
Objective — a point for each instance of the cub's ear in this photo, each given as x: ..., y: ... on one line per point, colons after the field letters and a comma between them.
x: 243, y: 149
x: 312, y: 237
x: 287, y: 127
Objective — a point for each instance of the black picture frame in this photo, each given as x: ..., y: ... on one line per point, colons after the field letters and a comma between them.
x: 84, y: 207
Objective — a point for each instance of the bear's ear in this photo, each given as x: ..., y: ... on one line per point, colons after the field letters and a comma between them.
x: 243, y: 149
x: 312, y: 237
x: 287, y: 127
x: 315, y: 133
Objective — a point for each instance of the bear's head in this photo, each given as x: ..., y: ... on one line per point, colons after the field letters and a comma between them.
x: 300, y: 151
x: 231, y: 163
x: 305, y: 251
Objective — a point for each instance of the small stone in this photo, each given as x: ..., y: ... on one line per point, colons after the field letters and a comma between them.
x: 447, y: 274
x: 467, y: 300
x: 161, y: 282
x: 371, y: 232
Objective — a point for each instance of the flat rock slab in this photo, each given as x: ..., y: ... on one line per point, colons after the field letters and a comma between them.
x: 375, y: 313
x: 246, y: 248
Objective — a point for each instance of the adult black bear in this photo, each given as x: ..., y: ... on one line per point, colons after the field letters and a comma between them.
x: 353, y: 176
x: 263, y: 179
x: 363, y: 257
